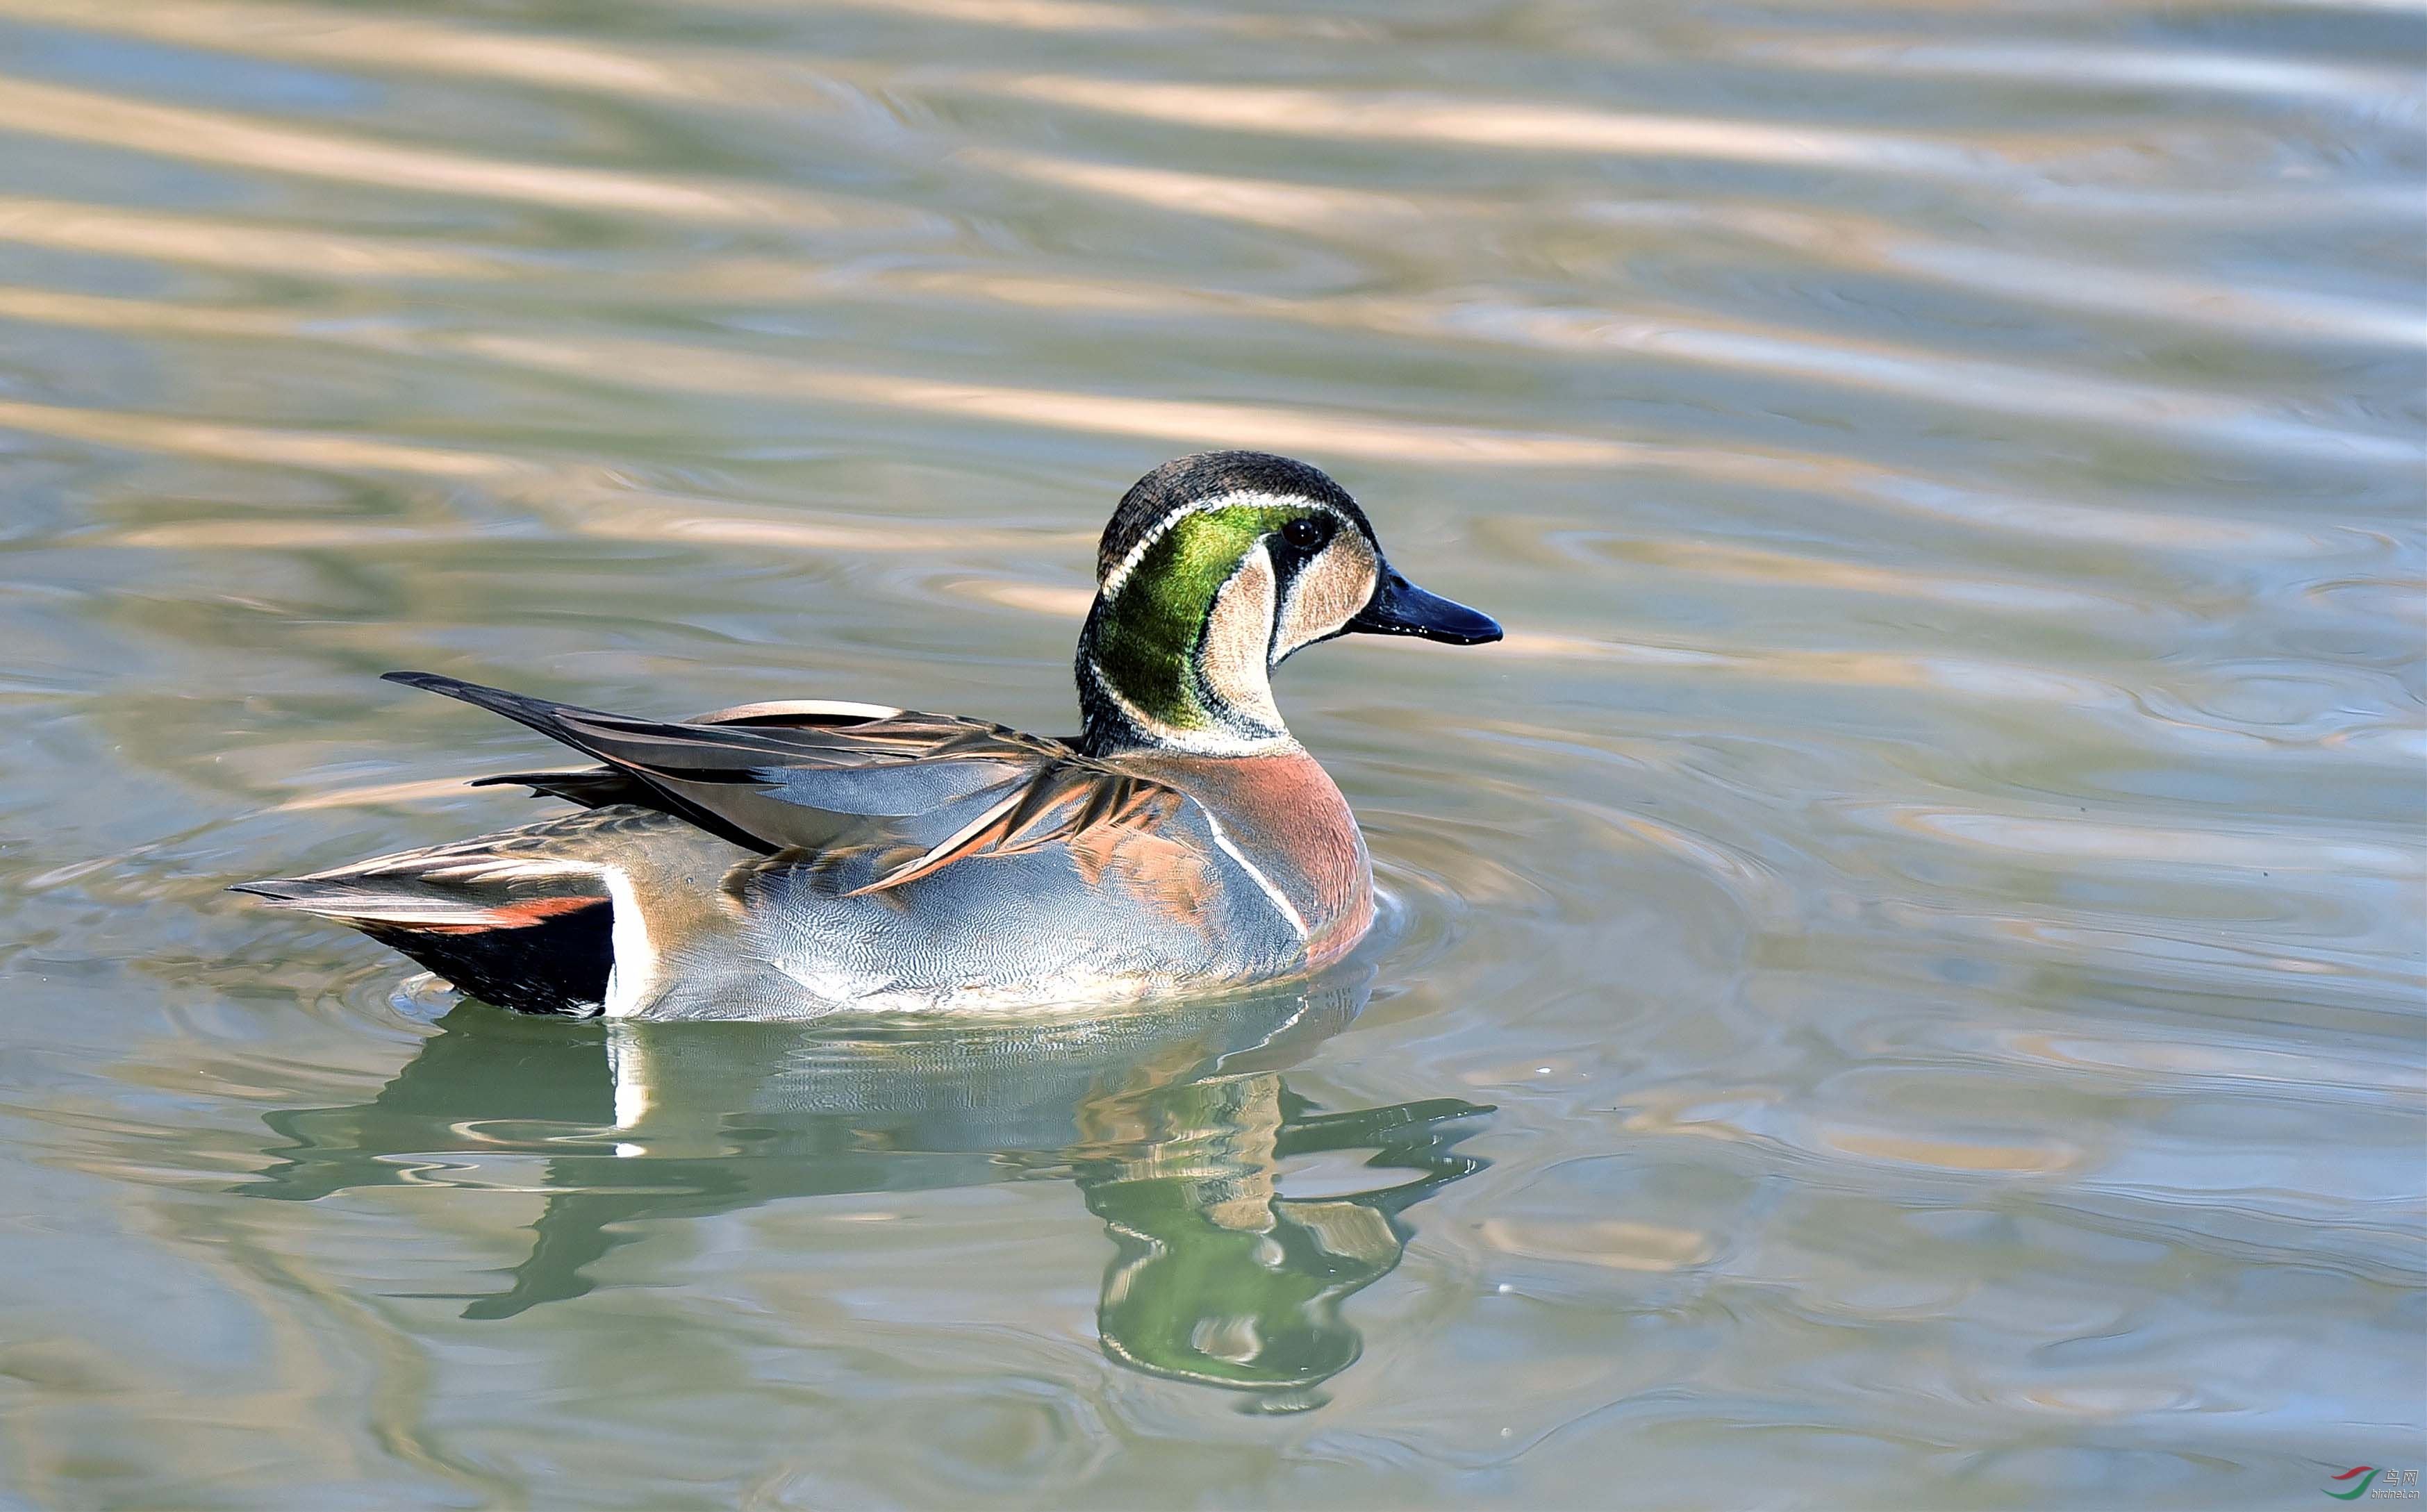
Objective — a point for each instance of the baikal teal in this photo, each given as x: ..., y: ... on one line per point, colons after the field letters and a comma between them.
x: 798, y: 858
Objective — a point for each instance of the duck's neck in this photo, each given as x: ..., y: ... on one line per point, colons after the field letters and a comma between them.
x: 1176, y: 664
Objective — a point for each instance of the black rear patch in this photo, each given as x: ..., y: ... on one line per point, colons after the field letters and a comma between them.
x: 557, y: 966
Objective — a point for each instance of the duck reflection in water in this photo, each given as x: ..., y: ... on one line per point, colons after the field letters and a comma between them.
x: 1175, y: 1123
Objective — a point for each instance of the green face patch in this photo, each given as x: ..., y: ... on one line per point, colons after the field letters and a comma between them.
x: 1146, y: 636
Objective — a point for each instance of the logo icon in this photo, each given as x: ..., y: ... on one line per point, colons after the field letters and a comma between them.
x: 2376, y: 1485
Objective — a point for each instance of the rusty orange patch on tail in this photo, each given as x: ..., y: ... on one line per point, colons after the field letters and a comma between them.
x: 508, y: 915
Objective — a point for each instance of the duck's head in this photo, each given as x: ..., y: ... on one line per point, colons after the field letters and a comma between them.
x: 1214, y: 570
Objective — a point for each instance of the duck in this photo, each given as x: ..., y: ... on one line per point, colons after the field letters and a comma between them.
x: 809, y: 857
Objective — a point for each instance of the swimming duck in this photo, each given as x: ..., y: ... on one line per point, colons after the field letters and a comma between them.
x: 807, y: 857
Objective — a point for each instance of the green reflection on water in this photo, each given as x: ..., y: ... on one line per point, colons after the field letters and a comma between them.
x: 1223, y: 1280
x: 1176, y: 1124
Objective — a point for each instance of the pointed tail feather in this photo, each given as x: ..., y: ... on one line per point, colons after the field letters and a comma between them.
x: 409, y: 908
x: 596, y: 733
x: 544, y: 715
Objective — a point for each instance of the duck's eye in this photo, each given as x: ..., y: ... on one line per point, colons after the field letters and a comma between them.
x: 1307, y: 531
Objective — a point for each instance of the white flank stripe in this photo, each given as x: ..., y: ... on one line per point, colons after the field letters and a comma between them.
x: 1280, y: 899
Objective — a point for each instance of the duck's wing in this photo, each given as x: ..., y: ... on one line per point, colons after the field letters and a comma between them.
x: 1061, y: 802
x: 914, y: 791
x: 597, y: 786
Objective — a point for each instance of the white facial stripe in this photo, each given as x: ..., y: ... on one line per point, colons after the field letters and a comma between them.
x: 1258, y: 497
x: 1324, y: 593
x: 1234, y: 657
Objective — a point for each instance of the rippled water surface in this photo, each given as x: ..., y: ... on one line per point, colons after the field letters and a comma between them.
x: 1902, y: 982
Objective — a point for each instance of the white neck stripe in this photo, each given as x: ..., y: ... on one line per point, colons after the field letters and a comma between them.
x: 1214, y: 741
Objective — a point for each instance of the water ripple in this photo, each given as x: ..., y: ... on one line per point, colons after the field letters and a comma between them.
x: 226, y: 140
